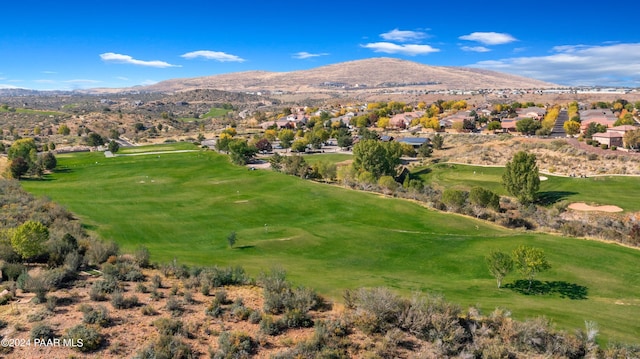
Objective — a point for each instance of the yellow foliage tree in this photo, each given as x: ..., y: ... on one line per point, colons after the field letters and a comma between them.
x: 383, y: 122
x: 459, y: 105
x: 550, y: 118
x: 571, y: 127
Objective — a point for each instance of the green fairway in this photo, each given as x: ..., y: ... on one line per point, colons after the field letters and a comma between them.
x: 184, y: 205
x: 216, y: 112
x: 167, y: 147
x: 604, y: 190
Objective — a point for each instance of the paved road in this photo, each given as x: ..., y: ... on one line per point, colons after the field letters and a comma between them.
x: 558, y: 128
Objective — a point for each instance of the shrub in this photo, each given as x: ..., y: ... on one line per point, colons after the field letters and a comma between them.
x: 38, y: 286
x: 377, y: 309
x: 174, y: 306
x: 604, y: 146
x: 235, y: 345
x: 119, y: 301
x: 52, y: 302
x: 294, y: 318
x: 255, y: 317
x: 11, y: 271
x: 614, y: 148
x: 141, y: 257
x: 100, y: 288
x: 484, y: 198
x: 148, y: 310
x: 156, y: 281
x: 100, y: 251
x: 167, y: 326
x: 42, y: 332
x: 214, y: 309
x: 98, y: 315
x: 166, y: 346
x: 454, y: 199
x: 270, y: 326
x: 90, y: 338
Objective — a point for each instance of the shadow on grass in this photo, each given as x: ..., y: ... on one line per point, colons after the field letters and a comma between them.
x: 423, y: 171
x: 551, y: 197
x: 244, y: 247
x: 564, y: 289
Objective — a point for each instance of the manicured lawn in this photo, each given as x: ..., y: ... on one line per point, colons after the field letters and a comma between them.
x: 216, y: 112
x: 184, y: 205
x: 328, y: 157
x: 178, y: 146
x: 611, y: 190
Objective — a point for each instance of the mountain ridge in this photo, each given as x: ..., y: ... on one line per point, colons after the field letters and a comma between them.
x: 367, y: 74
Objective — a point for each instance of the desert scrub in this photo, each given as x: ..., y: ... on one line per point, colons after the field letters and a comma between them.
x: 235, y: 345
x: 41, y: 331
x: 90, y: 337
x: 98, y: 315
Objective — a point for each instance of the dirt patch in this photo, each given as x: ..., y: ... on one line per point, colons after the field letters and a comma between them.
x: 242, y: 201
x: 581, y: 206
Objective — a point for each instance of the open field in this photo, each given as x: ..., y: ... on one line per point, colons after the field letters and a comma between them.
x: 327, y: 157
x: 184, y: 205
x: 603, y: 190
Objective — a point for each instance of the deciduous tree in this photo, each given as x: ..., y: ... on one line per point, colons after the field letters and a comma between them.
x: 29, y: 239
x: 530, y: 261
x: 500, y: 265
x: 571, y: 127
x: 528, y: 126
x: 378, y: 158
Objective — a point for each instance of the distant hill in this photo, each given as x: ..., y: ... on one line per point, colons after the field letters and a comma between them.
x: 376, y: 73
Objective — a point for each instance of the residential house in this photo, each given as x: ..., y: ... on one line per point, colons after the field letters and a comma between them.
x: 460, y: 116
x: 602, y: 116
x: 536, y: 113
x: 614, y: 135
x: 509, y: 125
x: 403, y: 120
x: 608, y: 138
x: 414, y: 141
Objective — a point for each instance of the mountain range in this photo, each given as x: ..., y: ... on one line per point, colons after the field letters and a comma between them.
x: 368, y: 74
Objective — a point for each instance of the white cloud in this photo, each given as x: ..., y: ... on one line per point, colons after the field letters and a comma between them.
x: 489, y: 38
x: 122, y: 78
x: 574, y: 65
x: 148, y: 82
x: 475, y: 49
x: 44, y: 81
x: 126, y: 59
x: 403, y: 35
x: 306, y: 55
x: 407, y: 49
x: 49, y: 72
x: 212, y: 55
x: 82, y: 81
x: 5, y: 86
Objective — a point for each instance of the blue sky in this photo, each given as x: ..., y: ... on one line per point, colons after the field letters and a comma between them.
x: 83, y: 44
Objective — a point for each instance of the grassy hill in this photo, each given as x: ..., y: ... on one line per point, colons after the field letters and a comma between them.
x: 184, y: 205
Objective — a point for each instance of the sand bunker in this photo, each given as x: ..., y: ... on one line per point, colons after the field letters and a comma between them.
x: 581, y: 206
x: 543, y: 178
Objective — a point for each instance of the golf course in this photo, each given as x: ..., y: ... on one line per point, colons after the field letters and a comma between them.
x: 184, y: 205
